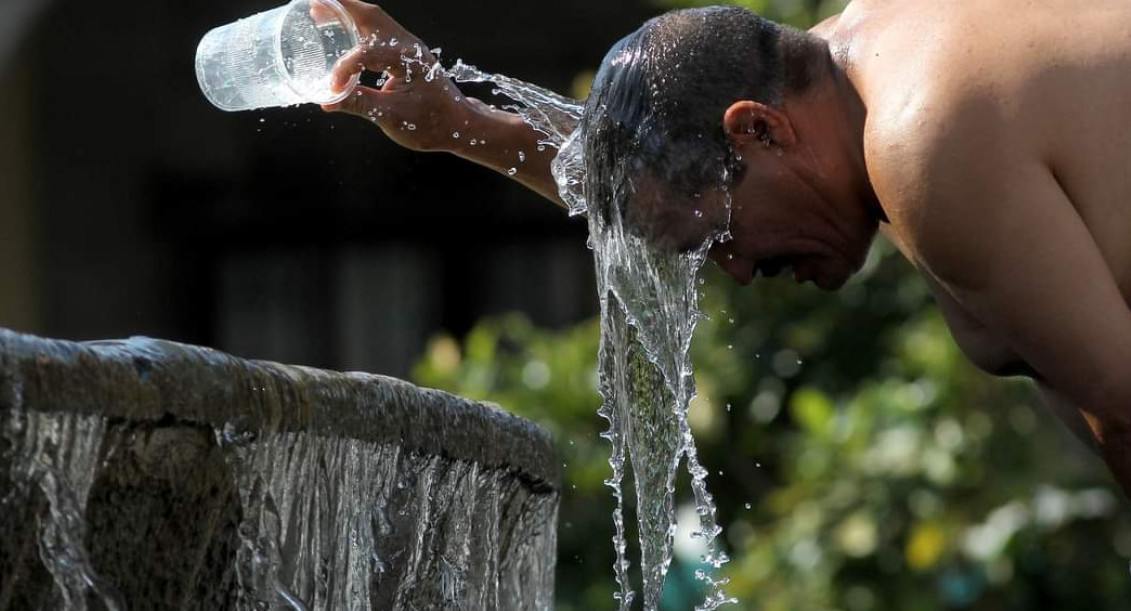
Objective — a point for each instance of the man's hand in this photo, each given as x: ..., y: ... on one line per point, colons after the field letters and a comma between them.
x: 423, y: 110
x: 415, y: 107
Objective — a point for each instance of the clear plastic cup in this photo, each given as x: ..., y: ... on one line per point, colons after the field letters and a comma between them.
x: 280, y: 57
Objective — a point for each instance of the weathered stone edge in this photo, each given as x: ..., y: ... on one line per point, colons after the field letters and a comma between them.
x: 143, y: 379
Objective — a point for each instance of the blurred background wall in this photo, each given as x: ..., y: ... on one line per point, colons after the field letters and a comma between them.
x: 129, y: 205
x: 19, y: 287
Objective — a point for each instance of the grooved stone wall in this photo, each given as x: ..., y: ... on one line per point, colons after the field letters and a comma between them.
x: 147, y: 474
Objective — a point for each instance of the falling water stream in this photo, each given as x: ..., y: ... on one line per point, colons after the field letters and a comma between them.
x: 649, y: 309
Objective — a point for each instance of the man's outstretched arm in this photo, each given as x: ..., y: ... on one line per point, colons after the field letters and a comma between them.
x: 431, y: 114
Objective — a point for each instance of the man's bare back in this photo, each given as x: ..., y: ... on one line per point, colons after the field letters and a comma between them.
x: 1058, y: 73
x: 1055, y: 75
x: 998, y: 139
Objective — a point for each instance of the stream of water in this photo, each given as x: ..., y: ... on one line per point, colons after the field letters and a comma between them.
x: 649, y: 309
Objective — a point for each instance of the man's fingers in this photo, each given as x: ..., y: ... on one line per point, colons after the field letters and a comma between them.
x: 373, y: 56
x: 364, y: 57
x: 321, y: 13
x: 353, y: 62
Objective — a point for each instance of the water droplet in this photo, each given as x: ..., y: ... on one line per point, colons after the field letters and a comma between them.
x: 455, y: 135
x: 512, y: 171
x: 747, y: 506
x: 521, y: 156
x: 411, y: 127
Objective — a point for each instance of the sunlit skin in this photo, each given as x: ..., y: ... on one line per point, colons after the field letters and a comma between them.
x: 988, y: 140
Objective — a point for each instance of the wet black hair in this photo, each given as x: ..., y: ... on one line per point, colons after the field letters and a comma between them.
x: 658, y: 101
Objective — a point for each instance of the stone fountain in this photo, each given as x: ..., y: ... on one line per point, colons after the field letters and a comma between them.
x: 145, y: 474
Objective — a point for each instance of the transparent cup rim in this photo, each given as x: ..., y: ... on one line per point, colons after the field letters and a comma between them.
x: 347, y: 21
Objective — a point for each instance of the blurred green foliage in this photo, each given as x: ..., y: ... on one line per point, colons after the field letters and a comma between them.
x: 858, y: 461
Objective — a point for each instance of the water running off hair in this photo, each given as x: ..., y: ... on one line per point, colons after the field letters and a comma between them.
x: 649, y: 309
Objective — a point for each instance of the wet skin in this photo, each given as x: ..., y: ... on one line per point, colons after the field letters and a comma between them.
x: 988, y: 140
x: 995, y: 138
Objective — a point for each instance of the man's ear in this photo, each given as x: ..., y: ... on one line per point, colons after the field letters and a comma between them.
x: 748, y: 122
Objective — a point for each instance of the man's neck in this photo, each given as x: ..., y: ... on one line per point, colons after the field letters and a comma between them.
x: 839, y: 115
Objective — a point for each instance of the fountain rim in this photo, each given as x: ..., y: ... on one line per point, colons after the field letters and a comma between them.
x: 163, y: 381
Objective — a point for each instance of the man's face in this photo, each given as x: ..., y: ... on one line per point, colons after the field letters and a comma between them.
x: 778, y: 222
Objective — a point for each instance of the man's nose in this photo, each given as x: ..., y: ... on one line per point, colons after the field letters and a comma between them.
x: 742, y: 270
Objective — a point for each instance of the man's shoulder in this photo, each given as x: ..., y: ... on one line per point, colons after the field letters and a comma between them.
x: 935, y: 164
x: 930, y: 138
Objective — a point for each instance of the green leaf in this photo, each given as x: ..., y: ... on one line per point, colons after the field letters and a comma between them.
x: 813, y: 410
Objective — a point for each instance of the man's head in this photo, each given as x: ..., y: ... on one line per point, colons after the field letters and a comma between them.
x: 707, y: 113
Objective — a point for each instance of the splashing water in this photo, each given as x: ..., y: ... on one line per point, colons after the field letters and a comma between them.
x: 649, y: 309
x: 552, y: 115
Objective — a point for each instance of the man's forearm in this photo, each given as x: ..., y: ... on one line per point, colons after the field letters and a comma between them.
x: 502, y: 141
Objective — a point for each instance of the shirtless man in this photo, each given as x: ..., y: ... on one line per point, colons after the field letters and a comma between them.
x: 989, y: 140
